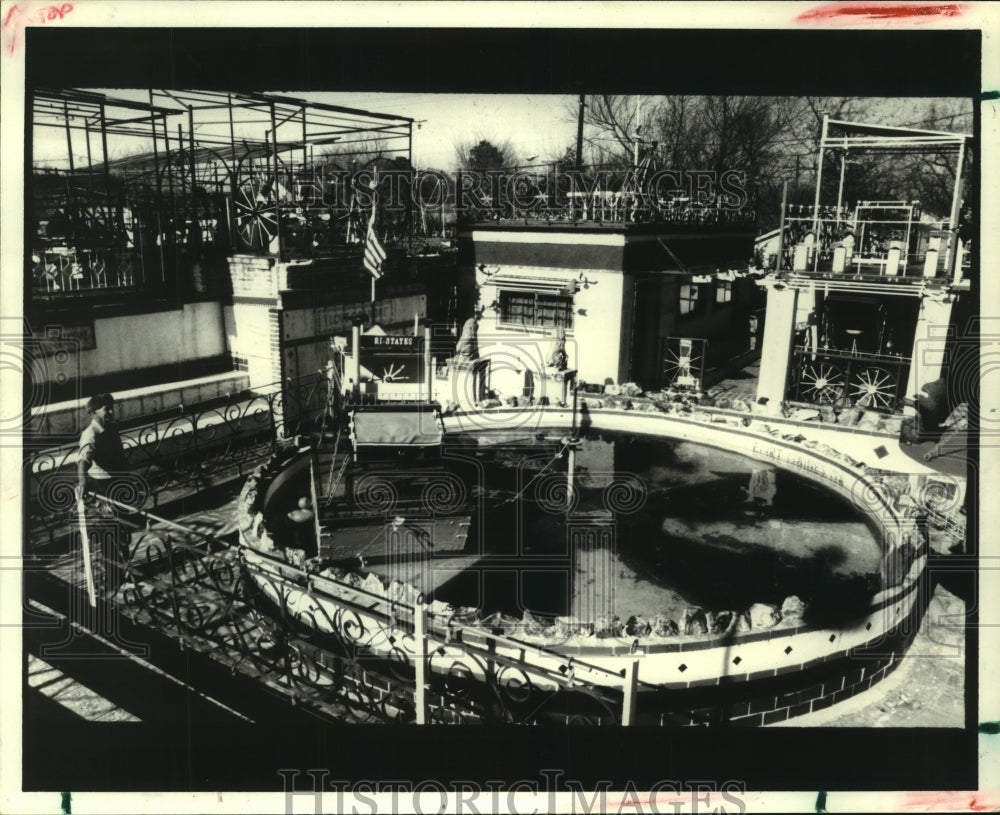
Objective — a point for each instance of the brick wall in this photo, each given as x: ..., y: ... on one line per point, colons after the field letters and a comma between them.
x: 253, y: 276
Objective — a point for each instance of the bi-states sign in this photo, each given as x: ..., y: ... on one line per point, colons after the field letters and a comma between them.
x: 393, y: 365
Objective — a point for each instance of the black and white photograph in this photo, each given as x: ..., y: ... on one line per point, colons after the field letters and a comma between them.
x: 437, y: 408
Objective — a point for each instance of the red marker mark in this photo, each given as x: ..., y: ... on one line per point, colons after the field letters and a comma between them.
x: 950, y: 802
x: 21, y: 16
x: 853, y: 12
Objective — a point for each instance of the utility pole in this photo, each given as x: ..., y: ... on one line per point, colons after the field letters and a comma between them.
x: 579, y: 133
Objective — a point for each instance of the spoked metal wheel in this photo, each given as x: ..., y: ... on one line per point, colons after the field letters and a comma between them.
x: 822, y: 382
x: 254, y: 212
x: 684, y: 361
x: 874, y: 388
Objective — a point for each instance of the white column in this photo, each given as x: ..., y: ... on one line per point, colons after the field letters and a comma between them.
x: 929, y: 341
x: 776, y: 352
x: 356, y: 358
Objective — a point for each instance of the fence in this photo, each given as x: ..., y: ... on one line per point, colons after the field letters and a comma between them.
x: 170, y: 456
x: 197, y: 590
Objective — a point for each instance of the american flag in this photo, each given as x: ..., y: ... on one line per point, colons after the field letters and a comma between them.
x: 374, y: 251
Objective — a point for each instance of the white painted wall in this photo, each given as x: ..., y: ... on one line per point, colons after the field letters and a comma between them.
x: 133, y: 341
x: 248, y: 335
x: 593, y: 345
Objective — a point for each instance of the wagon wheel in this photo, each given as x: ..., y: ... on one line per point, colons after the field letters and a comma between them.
x: 874, y: 387
x: 677, y: 363
x: 254, y: 212
x: 822, y: 382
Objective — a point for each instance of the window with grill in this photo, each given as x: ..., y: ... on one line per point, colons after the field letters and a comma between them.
x: 527, y: 308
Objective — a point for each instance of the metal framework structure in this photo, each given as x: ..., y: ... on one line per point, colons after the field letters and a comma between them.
x: 887, y: 238
x: 864, y: 251
x: 204, y: 175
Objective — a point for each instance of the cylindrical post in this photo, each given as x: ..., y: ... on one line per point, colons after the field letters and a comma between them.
x: 277, y: 202
x: 420, y: 660
x: 781, y: 226
x: 305, y: 155
x: 631, y: 688
x: 356, y: 357
x: 70, y: 194
x: 428, y: 363
x: 571, y: 468
x: 954, y: 263
x: 194, y: 171
x: 819, y: 180
x: 107, y: 166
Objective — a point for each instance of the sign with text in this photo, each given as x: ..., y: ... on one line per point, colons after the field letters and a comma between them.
x: 393, y: 359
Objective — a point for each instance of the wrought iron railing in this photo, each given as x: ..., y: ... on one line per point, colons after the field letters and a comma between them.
x: 838, y: 240
x: 67, y: 269
x: 844, y: 379
x: 197, y: 590
x: 169, y: 456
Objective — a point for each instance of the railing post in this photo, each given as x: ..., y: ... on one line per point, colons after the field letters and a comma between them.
x: 631, y: 687
x: 420, y: 660
x: 173, y: 592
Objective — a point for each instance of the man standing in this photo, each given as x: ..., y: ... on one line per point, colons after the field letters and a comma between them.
x: 101, y: 460
x: 101, y: 454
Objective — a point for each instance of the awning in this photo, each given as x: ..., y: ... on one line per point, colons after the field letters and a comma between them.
x: 545, y: 285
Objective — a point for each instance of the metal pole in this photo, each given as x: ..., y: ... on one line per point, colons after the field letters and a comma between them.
x: 70, y: 194
x: 428, y: 364
x: 570, y: 471
x: 194, y: 210
x: 107, y: 167
x: 631, y: 688
x: 277, y: 209
x: 840, y: 189
x: 159, y: 187
x: 90, y: 165
x: 356, y: 358
x: 409, y: 195
x: 781, y: 225
x: 420, y: 660
x: 169, y: 171
x: 69, y: 137
x: 579, y: 133
x: 304, y: 154
x: 954, y: 267
x: 819, y: 180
